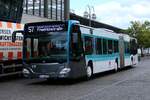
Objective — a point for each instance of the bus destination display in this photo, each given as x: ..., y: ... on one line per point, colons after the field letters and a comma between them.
x: 45, y: 28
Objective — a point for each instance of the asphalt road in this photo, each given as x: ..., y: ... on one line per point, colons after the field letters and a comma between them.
x: 129, y: 84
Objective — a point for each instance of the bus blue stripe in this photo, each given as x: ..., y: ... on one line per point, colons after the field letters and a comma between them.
x: 104, y: 57
x: 102, y: 37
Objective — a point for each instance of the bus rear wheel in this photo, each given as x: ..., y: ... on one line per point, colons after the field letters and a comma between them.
x: 116, y: 69
x: 89, y: 72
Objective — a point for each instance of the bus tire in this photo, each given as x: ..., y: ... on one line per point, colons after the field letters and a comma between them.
x: 116, y: 65
x: 89, y: 72
x: 116, y: 68
x: 1, y: 69
x: 131, y: 61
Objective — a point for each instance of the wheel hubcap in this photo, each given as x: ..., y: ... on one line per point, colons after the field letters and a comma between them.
x: 89, y: 71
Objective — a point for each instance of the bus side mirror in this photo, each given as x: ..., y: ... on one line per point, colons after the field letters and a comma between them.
x: 14, y: 35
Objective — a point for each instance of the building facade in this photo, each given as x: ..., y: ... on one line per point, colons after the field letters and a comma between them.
x: 51, y: 9
x: 11, y: 10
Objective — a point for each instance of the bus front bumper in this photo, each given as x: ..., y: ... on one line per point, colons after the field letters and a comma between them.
x: 63, y: 73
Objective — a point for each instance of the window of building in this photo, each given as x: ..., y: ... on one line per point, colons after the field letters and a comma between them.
x: 53, y: 9
x: 11, y: 10
x: 88, y: 45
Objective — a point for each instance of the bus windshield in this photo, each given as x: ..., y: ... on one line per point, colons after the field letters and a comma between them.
x: 51, y: 47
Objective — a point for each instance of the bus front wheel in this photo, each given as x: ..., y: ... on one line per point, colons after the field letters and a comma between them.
x: 89, y: 72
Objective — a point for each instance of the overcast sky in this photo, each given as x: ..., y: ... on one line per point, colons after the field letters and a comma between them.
x: 118, y: 13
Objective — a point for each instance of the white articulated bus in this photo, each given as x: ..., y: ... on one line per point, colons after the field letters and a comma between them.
x: 66, y: 49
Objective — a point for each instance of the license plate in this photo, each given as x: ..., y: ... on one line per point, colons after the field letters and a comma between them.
x: 44, y: 76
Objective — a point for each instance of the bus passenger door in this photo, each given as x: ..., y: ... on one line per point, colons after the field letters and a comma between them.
x: 133, y: 51
x: 121, y: 51
x: 77, y: 59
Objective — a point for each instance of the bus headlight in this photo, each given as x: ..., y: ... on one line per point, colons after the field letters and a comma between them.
x: 65, y: 71
x: 25, y: 71
x: 33, y: 66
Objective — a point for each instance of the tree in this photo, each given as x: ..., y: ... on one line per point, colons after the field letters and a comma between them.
x: 141, y: 31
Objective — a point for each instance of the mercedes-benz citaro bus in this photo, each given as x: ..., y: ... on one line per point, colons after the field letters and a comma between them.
x: 67, y: 49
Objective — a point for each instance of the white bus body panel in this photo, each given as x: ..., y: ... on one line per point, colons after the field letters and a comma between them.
x: 101, y: 66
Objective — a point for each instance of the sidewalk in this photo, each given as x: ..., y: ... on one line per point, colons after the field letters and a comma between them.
x: 145, y: 58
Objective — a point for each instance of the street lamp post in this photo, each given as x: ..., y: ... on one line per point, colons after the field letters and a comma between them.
x: 66, y: 9
x: 89, y: 14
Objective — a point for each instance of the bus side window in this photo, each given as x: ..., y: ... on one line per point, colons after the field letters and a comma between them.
x: 88, y: 45
x: 105, y: 47
x: 127, y: 48
x: 99, y: 46
x: 110, y: 47
x: 133, y: 47
x: 116, y: 49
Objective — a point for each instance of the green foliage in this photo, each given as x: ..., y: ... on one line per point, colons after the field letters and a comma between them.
x: 141, y: 31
